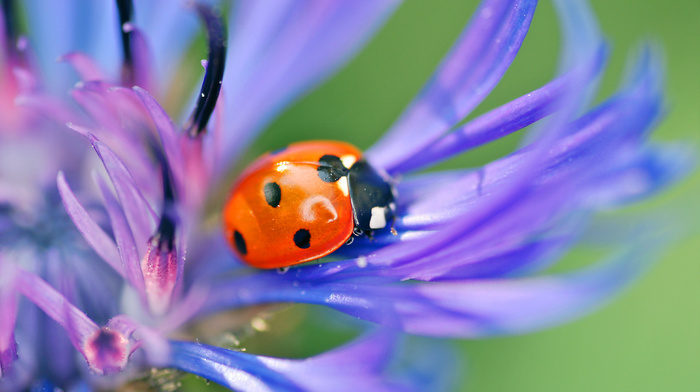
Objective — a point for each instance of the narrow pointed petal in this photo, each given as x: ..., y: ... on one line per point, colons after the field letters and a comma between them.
x: 466, y: 76
x: 105, y: 349
x: 87, y: 69
x: 279, y: 51
x: 468, y: 309
x: 59, y: 28
x: 495, y: 124
x: 643, y: 175
x: 580, y: 30
x: 128, y: 253
x: 573, y: 165
x: 138, y: 212
x: 56, y: 306
x: 119, y: 121
x: 169, y: 28
x: 498, y: 212
x: 8, y: 318
x: 168, y: 135
x: 490, y: 308
x: 91, y: 231
x: 141, y: 58
x: 356, y: 366
x: 581, y: 40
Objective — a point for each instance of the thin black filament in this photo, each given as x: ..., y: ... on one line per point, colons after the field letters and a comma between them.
x: 126, y: 14
x: 165, y: 234
x: 211, y: 86
x: 8, y: 11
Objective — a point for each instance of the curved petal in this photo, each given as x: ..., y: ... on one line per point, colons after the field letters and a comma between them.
x: 167, y: 133
x: 122, y: 121
x: 643, y: 175
x: 279, y: 50
x: 466, y: 76
x: 468, y: 308
x: 91, y: 231
x: 141, y: 216
x: 497, y: 123
x: 8, y: 318
x: 59, y: 28
x: 604, y: 142
x: 169, y: 27
x: 56, y: 306
x: 130, y: 261
x: 360, y: 365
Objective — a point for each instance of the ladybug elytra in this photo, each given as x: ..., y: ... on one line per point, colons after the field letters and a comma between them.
x: 303, y: 202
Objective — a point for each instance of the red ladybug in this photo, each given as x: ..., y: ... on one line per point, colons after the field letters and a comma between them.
x: 305, y: 201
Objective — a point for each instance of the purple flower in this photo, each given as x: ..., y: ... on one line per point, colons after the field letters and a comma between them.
x: 145, y: 262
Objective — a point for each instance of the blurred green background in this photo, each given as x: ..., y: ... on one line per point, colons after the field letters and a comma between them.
x: 648, y: 339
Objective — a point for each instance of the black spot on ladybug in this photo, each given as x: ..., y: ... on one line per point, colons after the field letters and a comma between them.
x: 273, y: 194
x: 239, y: 241
x: 302, y: 238
x: 331, y: 168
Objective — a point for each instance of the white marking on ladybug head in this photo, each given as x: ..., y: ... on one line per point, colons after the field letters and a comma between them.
x: 343, y: 186
x: 348, y: 160
x: 309, y: 210
x: 378, y: 219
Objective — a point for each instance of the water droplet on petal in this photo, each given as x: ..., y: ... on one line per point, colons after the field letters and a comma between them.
x: 259, y: 324
x: 282, y: 270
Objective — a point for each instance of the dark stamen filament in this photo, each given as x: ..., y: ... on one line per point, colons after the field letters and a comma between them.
x: 211, y: 86
x: 8, y: 11
x: 165, y: 234
x: 126, y: 14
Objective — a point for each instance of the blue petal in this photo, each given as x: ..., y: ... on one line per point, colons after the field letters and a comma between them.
x: 464, y: 217
x: 653, y: 169
x: 8, y: 317
x: 494, y: 213
x: 497, y: 123
x: 360, y: 365
x: 581, y: 34
x: 467, y: 308
x: 574, y: 165
x: 279, y: 50
x: 466, y: 76
x: 169, y: 27
x: 83, y: 25
x: 59, y: 27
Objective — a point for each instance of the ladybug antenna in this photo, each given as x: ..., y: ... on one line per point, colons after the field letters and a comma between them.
x: 211, y: 86
x: 165, y: 234
x: 9, y: 16
x: 126, y: 14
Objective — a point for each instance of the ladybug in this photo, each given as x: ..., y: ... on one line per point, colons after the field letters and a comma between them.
x: 303, y: 202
